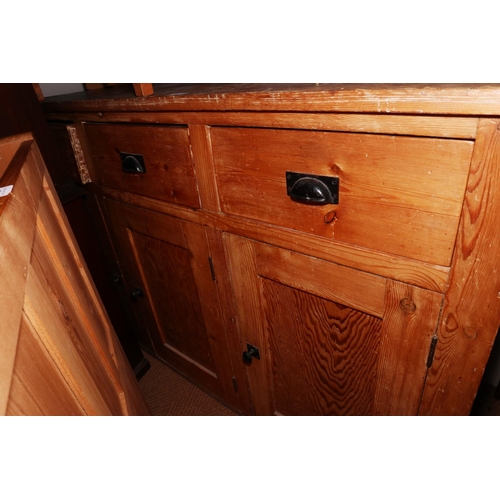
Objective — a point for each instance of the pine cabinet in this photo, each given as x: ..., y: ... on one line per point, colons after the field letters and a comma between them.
x: 305, y: 250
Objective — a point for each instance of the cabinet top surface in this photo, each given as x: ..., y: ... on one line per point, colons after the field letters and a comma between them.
x: 442, y: 99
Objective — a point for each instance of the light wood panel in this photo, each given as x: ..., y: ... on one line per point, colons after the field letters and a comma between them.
x: 17, y: 230
x: 353, y: 288
x: 168, y: 259
x: 38, y: 388
x: 426, y: 126
x: 205, y: 173
x: 220, y: 265
x: 49, y: 321
x: 471, y: 313
x: 58, y: 348
x: 143, y: 89
x: 324, y: 355
x: 321, y: 353
x: 53, y: 245
x: 181, y: 322
x: 410, y: 321
x: 399, y: 195
x: 391, y: 266
x: 418, y: 99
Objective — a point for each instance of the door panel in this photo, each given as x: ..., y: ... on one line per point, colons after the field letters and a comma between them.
x: 180, y: 322
x: 169, y: 261
x: 322, y: 350
x: 323, y: 354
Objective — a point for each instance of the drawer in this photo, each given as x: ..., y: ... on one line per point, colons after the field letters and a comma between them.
x: 400, y: 195
x: 169, y: 171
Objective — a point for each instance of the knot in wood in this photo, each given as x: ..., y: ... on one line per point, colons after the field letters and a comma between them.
x: 407, y: 305
x: 330, y: 217
x: 450, y: 323
x: 470, y: 333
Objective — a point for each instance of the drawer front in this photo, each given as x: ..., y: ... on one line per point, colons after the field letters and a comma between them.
x: 169, y: 171
x: 400, y: 195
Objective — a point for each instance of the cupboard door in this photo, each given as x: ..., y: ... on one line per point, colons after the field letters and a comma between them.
x: 166, y: 265
x: 332, y: 340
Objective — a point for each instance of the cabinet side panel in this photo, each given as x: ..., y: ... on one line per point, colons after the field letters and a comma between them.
x: 246, y: 287
x: 471, y: 313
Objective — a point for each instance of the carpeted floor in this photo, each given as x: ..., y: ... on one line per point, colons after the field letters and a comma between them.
x: 169, y: 394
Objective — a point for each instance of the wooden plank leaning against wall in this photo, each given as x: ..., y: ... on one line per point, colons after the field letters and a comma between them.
x: 60, y: 354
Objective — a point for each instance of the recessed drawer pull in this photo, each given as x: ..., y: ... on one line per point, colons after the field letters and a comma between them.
x: 314, y: 190
x: 132, y: 163
x: 136, y: 293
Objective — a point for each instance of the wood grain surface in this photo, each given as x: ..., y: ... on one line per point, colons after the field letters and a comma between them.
x: 249, y: 318
x: 60, y: 356
x: 143, y: 89
x: 324, y: 355
x: 391, y: 266
x: 167, y: 157
x: 38, y: 388
x: 167, y: 271
x: 351, y: 287
x: 471, y: 313
x: 17, y: 230
x: 240, y: 396
x: 321, y: 353
x: 400, y: 195
x: 168, y: 259
x: 410, y: 321
x: 425, y: 126
x: 415, y: 230
x: 204, y: 164
x: 436, y: 99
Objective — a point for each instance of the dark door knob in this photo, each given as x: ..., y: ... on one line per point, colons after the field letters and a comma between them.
x: 251, y: 352
x: 135, y: 293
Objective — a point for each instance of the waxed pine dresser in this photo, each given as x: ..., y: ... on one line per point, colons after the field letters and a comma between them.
x: 312, y: 249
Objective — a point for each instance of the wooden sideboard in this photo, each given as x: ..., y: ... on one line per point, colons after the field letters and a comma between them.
x: 378, y: 296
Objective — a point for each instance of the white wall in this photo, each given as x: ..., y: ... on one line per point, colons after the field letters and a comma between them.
x: 50, y: 89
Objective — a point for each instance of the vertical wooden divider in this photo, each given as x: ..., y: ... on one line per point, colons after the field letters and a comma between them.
x: 409, y: 323
x: 243, y: 268
x: 204, y: 166
x: 229, y: 314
